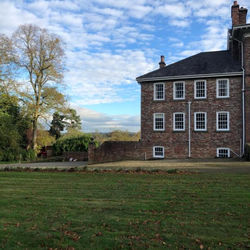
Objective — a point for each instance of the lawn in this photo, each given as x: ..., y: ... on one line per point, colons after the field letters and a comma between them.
x: 46, y: 210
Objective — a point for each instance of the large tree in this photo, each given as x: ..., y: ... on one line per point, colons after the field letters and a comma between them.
x: 72, y: 120
x: 67, y: 120
x: 57, y: 125
x: 14, y: 124
x: 6, y: 67
x: 39, y: 58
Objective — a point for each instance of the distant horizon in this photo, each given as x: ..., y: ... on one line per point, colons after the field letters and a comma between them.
x: 110, y: 43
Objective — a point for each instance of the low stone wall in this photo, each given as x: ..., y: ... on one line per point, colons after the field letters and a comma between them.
x: 115, y: 151
x: 80, y: 156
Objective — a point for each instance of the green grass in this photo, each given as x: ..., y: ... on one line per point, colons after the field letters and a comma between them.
x: 42, y: 210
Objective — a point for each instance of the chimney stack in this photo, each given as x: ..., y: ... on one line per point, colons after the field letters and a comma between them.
x: 239, y: 15
x: 235, y: 14
x: 243, y: 15
x: 162, y: 62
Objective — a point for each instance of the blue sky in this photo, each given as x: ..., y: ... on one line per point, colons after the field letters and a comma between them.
x: 108, y: 43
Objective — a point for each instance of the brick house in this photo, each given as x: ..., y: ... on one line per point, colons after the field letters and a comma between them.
x: 199, y: 107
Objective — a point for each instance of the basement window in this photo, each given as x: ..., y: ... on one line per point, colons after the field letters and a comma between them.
x: 223, y: 152
x: 159, y: 91
x: 158, y: 152
x: 222, y: 88
x: 200, y: 89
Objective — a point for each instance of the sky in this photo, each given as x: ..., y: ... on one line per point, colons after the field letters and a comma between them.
x: 108, y: 43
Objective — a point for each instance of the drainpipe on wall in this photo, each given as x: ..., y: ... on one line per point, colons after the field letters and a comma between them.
x: 243, y: 97
x: 243, y: 114
x: 189, y: 129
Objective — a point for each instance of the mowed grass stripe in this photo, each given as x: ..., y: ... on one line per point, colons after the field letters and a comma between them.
x: 113, y: 211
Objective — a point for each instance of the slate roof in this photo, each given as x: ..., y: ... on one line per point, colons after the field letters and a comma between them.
x: 200, y: 64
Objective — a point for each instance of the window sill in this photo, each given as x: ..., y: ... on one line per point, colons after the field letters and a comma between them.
x: 200, y: 99
x: 178, y: 99
x: 222, y: 97
x: 202, y: 131
x: 161, y: 100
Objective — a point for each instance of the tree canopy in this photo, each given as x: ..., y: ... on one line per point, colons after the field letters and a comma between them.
x: 13, y: 124
x: 31, y: 76
x: 39, y: 57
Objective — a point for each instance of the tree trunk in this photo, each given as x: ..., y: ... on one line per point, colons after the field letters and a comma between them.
x: 34, y: 133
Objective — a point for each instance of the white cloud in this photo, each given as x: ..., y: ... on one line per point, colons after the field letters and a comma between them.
x: 180, y: 23
x: 191, y: 52
x: 139, y: 11
x: 109, y: 12
x: 109, y: 43
x: 95, y: 121
x: 175, y: 10
x: 99, y: 76
x: 11, y: 17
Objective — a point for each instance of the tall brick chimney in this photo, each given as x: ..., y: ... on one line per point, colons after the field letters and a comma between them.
x: 162, y: 62
x: 239, y: 15
x: 243, y: 15
x: 235, y: 14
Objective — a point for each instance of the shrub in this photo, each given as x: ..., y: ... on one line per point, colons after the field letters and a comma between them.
x: 30, y: 155
x: 73, y: 144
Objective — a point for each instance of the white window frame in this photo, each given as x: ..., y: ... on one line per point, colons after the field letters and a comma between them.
x: 157, y: 129
x: 217, y: 121
x: 159, y: 156
x: 199, y: 129
x: 195, y: 89
x: 178, y: 129
x: 217, y: 88
x: 228, y: 152
x: 155, y: 97
x: 174, y: 91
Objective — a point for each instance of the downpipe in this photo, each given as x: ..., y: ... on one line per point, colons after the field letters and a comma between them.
x: 243, y: 99
x: 189, y: 129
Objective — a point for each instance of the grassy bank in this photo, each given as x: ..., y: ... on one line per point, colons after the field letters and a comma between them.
x: 112, y: 211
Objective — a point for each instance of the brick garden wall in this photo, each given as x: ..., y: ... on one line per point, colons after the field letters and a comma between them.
x: 115, y: 151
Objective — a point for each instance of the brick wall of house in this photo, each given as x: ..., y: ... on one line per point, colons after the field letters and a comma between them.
x: 247, y: 85
x: 203, y: 144
x: 115, y: 151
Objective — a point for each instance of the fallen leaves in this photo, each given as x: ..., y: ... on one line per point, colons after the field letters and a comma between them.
x: 97, y: 234
x: 74, y: 236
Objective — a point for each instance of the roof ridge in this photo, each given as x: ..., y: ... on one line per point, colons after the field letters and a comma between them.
x: 203, y: 52
x: 201, y: 63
